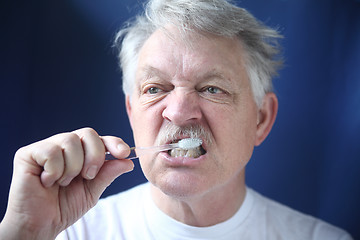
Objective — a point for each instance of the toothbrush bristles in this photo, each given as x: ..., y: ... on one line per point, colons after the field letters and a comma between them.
x: 189, y: 143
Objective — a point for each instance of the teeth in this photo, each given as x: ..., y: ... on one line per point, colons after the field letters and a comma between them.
x: 191, y: 153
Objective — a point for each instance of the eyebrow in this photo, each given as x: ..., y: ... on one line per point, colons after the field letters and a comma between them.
x: 149, y: 71
x: 215, y: 74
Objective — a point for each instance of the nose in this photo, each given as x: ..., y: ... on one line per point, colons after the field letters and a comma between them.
x: 182, y: 107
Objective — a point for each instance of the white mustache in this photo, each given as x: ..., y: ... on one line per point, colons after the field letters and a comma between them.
x: 172, y: 132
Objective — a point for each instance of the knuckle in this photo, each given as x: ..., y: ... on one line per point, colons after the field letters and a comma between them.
x: 51, y: 151
x: 21, y: 151
x: 71, y: 139
x: 90, y: 131
x: 40, y: 152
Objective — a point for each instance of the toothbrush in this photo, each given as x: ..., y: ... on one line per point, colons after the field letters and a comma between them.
x: 136, y: 152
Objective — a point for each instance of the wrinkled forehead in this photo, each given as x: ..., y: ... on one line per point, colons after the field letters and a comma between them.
x: 190, y: 37
x: 191, y: 42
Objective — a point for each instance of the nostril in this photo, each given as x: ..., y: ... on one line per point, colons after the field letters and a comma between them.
x: 181, y: 113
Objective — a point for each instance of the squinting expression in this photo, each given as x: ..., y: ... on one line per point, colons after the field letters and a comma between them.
x: 203, y: 85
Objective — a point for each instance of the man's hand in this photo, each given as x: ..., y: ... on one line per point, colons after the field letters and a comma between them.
x: 57, y: 180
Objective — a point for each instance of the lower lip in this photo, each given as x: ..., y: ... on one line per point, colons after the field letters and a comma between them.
x: 181, y: 161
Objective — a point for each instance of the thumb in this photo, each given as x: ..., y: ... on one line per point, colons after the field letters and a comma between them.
x: 108, y: 173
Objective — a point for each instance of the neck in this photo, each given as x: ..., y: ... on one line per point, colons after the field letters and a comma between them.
x: 206, y: 209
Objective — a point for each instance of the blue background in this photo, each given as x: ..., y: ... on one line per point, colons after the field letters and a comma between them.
x: 59, y: 72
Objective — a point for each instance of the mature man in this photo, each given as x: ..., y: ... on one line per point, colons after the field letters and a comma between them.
x: 198, y: 69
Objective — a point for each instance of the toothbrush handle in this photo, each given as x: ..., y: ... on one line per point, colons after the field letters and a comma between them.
x: 136, y: 152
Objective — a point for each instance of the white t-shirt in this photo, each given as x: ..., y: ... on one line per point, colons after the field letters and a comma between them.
x: 133, y: 215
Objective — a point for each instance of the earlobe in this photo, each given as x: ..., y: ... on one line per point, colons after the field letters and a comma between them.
x: 266, y: 117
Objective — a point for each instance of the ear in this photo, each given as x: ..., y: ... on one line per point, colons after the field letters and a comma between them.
x: 266, y: 117
x: 128, y: 108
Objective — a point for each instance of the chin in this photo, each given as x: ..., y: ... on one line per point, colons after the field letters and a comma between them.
x: 183, y: 178
x: 181, y: 185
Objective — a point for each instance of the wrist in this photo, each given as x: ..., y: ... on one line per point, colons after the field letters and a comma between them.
x: 14, y: 230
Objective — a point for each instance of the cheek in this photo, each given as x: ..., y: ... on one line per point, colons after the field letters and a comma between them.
x: 146, y: 124
x: 227, y: 122
x: 234, y: 131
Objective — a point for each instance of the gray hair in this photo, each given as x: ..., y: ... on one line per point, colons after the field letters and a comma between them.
x: 218, y: 17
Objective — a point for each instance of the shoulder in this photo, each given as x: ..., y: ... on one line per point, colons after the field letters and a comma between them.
x: 284, y: 222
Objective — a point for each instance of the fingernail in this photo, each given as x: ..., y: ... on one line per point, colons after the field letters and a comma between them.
x: 121, y: 147
x: 65, y: 181
x: 91, y: 172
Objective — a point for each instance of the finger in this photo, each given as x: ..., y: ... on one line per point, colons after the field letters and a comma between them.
x: 94, y: 152
x: 116, y: 146
x: 50, y: 157
x: 108, y: 173
x: 73, y: 155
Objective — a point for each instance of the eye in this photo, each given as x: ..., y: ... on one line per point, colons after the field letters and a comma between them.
x: 212, y: 90
x: 153, y: 90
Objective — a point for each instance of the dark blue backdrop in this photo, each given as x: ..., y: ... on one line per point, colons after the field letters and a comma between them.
x: 58, y: 73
